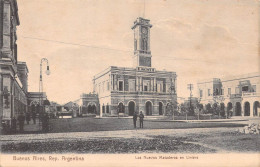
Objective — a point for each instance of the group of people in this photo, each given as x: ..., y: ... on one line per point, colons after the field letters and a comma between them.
x: 22, y: 117
x: 141, y: 119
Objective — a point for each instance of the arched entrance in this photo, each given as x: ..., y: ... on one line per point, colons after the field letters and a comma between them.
x: 121, y: 108
x: 34, y: 107
x: 148, y: 107
x: 103, y: 108
x: 160, y: 108
x: 229, y: 106
x: 131, y: 108
x: 238, y: 109
x: 91, y: 109
x: 247, y: 109
x: 107, y: 108
x: 256, y: 106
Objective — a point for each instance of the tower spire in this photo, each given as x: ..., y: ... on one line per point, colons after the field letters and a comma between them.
x: 142, y: 52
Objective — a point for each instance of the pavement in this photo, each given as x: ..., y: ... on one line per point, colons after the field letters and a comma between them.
x: 34, y: 128
x: 137, y: 133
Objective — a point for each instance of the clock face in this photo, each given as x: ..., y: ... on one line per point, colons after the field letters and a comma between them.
x: 144, y: 31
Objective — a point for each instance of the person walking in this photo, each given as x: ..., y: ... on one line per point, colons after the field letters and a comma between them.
x: 141, y: 119
x: 28, y: 117
x: 21, y: 119
x: 34, y: 117
x: 135, y: 119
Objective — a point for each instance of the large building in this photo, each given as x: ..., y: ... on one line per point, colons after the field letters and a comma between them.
x: 240, y: 94
x: 13, y: 74
x: 141, y: 88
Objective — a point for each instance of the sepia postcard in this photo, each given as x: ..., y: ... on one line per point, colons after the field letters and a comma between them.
x: 129, y: 83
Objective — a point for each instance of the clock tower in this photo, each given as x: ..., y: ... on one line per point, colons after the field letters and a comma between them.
x: 142, y: 53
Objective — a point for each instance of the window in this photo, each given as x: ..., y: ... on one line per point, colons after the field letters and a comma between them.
x: 245, y: 88
x: 131, y: 85
x: 145, y: 88
x: 253, y: 88
x: 216, y: 92
x: 229, y: 91
x: 222, y: 91
x: 146, y: 85
x: 120, y: 85
x: 160, y: 86
x: 201, y: 93
x: 209, y: 92
x: 237, y: 90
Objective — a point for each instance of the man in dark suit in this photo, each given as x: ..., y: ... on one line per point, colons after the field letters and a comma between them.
x: 141, y: 118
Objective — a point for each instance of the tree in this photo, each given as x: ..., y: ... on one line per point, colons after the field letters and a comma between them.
x: 172, y: 108
x: 208, y: 108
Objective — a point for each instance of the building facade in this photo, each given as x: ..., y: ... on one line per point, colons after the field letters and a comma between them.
x: 34, y: 101
x: 240, y: 94
x: 123, y: 90
x: 13, y: 74
x: 88, y: 104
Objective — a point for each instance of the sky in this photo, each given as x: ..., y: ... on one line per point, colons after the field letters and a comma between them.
x: 197, y: 39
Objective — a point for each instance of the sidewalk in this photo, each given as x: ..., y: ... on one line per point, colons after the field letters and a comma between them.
x: 243, y: 120
x: 160, y: 118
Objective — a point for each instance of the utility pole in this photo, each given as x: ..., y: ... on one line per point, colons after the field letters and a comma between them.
x: 172, y: 92
x: 190, y: 87
x: 41, y: 104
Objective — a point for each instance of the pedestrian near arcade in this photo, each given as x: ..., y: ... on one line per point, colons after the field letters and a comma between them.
x: 34, y: 117
x: 21, y: 119
x: 135, y: 119
x: 141, y: 119
x: 28, y: 117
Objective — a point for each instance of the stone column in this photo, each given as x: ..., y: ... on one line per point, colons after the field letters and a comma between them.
x: 141, y: 84
x: 115, y: 82
x: 251, y: 109
x: 112, y: 82
x: 137, y: 84
x: 151, y: 84
x: 154, y: 84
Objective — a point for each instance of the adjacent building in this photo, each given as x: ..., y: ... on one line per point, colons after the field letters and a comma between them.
x: 14, y: 95
x: 240, y: 94
x: 124, y: 90
x: 13, y: 74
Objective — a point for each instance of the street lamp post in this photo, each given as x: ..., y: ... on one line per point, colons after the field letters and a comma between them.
x: 172, y: 92
x: 190, y: 87
x: 41, y: 84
